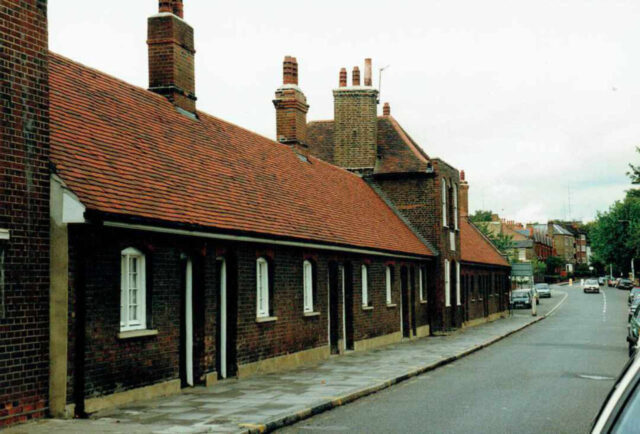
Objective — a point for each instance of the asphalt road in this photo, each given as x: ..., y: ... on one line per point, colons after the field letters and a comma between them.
x: 549, y: 378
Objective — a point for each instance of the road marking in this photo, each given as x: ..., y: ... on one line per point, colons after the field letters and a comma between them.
x: 604, y: 306
x: 595, y: 377
x: 551, y: 312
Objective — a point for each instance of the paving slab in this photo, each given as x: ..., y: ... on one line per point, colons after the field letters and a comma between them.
x: 266, y: 402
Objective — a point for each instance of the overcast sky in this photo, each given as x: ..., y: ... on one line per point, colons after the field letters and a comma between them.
x: 533, y: 99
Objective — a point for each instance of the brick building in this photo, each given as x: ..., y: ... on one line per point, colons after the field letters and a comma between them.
x: 424, y: 190
x: 24, y: 209
x: 148, y: 246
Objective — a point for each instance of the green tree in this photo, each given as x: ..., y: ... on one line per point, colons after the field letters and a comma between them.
x: 634, y: 173
x: 503, y: 242
x: 481, y: 216
x: 615, y: 234
x: 553, y: 263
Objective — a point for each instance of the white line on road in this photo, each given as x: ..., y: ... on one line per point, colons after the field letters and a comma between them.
x: 604, y: 306
x: 566, y: 294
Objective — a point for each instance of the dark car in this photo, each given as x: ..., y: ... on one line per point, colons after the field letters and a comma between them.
x: 634, y: 305
x: 633, y: 331
x: 625, y: 284
x: 521, y: 298
x: 620, y: 411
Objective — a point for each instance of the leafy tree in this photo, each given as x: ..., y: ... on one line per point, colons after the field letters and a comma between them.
x: 634, y: 173
x: 615, y: 235
x: 503, y: 242
x: 553, y: 263
x: 539, y: 267
x: 481, y: 216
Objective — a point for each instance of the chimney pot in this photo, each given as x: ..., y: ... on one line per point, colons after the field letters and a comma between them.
x: 356, y: 76
x: 343, y: 77
x: 386, y: 109
x: 462, y: 176
x: 172, y: 6
x: 290, y: 70
x: 367, y: 72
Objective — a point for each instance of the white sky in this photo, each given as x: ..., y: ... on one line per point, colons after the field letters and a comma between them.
x: 528, y: 97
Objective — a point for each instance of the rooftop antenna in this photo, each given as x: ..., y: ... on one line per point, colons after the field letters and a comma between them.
x: 380, y: 81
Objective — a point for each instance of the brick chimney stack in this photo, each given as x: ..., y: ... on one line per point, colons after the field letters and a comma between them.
x: 355, y: 123
x: 367, y: 72
x: 463, y: 195
x: 291, y: 108
x: 171, y: 56
x: 386, y: 111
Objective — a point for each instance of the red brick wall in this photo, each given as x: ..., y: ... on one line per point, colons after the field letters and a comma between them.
x: 484, y: 290
x: 24, y: 210
x: 112, y: 365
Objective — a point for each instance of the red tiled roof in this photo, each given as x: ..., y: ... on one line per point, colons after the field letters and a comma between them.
x: 474, y: 247
x: 124, y: 150
x: 398, y: 151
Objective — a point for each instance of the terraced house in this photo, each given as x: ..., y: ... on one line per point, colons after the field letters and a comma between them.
x: 146, y: 246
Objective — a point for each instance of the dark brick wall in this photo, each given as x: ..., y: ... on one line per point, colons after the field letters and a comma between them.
x: 112, y: 365
x: 24, y: 210
x: 484, y: 290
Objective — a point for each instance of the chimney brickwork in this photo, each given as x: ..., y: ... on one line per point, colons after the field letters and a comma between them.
x: 463, y: 195
x: 24, y: 213
x: 355, y: 123
x: 171, y: 56
x: 291, y: 107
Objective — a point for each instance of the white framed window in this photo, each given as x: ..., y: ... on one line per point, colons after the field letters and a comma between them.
x: 458, y: 302
x: 388, y: 278
x: 447, y: 283
x: 421, y: 278
x: 365, y: 285
x: 262, y: 288
x: 133, y: 292
x: 444, y: 202
x: 307, y: 270
x: 455, y: 206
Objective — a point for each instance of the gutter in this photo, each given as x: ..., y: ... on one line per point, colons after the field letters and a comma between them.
x: 251, y: 239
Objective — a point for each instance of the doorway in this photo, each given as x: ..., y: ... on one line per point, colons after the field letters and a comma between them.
x: 412, y: 301
x: 186, y: 353
x: 334, y: 308
x: 404, y: 289
x: 347, y: 291
x: 226, y: 330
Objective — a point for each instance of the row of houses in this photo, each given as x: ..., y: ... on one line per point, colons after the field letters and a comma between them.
x: 567, y: 240
x: 146, y: 246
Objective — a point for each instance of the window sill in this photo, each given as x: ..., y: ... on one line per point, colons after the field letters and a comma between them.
x: 263, y: 319
x: 311, y: 314
x: 130, y: 334
x: 367, y: 307
x: 423, y: 301
x: 391, y: 305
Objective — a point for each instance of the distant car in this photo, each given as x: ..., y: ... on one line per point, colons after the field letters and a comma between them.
x: 613, y: 281
x: 620, y: 411
x: 625, y: 284
x: 604, y: 280
x: 634, y: 291
x: 543, y: 290
x: 591, y: 285
x: 521, y: 298
x: 633, y: 330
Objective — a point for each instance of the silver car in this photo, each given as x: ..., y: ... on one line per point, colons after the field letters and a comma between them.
x: 544, y: 291
x: 591, y: 285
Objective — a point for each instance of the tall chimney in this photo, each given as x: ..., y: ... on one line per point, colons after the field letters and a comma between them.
x: 463, y: 195
x: 291, y: 107
x: 355, y: 133
x: 386, y: 111
x: 367, y: 72
x: 171, y: 56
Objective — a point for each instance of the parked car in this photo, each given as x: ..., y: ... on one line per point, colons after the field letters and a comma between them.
x: 624, y: 284
x: 521, y: 298
x: 613, y: 282
x: 633, y: 330
x: 634, y: 305
x: 544, y: 291
x: 620, y: 411
x: 634, y: 291
x: 591, y: 285
x: 602, y: 280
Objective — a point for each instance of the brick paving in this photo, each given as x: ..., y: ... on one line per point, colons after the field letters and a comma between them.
x: 266, y: 402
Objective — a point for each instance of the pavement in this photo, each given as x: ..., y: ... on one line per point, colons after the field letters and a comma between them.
x: 549, y: 378
x: 268, y: 402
